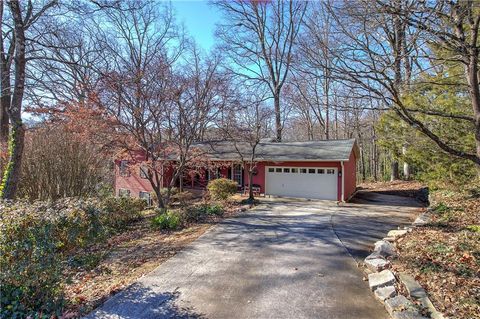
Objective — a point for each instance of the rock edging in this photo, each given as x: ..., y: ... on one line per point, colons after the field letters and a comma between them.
x: 382, y: 280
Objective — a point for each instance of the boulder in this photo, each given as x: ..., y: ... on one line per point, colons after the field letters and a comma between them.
x: 381, y: 279
x: 377, y: 264
x: 413, y: 287
x: 397, y: 233
x: 399, y: 303
x: 384, y: 248
x: 408, y: 314
x: 422, y: 220
x: 384, y: 293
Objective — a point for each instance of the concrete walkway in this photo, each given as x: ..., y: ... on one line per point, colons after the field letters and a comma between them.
x: 285, y: 259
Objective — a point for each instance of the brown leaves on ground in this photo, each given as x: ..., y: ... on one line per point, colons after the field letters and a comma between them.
x: 445, y: 256
x: 123, y: 259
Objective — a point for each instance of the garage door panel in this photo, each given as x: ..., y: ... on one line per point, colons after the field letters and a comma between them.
x: 303, y: 182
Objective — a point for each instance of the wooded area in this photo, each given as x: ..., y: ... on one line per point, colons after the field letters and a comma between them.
x: 117, y: 77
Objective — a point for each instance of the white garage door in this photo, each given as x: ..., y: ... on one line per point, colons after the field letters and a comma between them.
x: 304, y: 182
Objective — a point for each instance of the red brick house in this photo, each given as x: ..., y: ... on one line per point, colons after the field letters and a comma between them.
x: 314, y: 169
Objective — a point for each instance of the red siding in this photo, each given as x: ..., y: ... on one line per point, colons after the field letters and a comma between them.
x: 136, y: 184
x: 132, y: 181
x: 350, y: 175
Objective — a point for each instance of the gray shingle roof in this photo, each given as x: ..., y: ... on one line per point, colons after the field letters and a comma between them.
x: 326, y: 150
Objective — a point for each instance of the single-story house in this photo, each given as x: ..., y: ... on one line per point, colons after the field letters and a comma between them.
x: 315, y: 169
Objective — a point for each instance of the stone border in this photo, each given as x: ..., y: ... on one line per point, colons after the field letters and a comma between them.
x: 382, y: 281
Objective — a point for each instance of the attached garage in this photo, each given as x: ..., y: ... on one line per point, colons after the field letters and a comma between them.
x: 305, y: 182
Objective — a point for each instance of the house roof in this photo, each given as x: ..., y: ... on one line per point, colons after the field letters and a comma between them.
x: 325, y: 150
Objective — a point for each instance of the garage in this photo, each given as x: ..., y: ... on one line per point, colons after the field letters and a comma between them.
x: 305, y: 182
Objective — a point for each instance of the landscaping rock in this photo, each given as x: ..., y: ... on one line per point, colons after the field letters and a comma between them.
x: 377, y: 264
x: 422, y: 220
x: 398, y: 304
x: 381, y: 279
x: 408, y: 314
x: 384, y: 248
x: 390, y: 239
x: 373, y: 255
x: 413, y: 287
x: 397, y: 233
x: 384, y: 293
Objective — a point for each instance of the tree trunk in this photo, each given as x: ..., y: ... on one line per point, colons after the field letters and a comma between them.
x: 395, y: 175
x: 406, y: 167
x: 11, y: 176
x: 251, y: 198
x: 5, y: 104
x: 5, y: 94
x: 278, y: 118
x: 471, y: 72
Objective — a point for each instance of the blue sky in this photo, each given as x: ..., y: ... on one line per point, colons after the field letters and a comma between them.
x: 199, y: 19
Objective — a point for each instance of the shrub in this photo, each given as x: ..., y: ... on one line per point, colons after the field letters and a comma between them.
x: 168, y: 220
x: 183, y: 198
x: 38, y: 240
x: 214, y: 210
x: 222, y: 188
x: 122, y: 211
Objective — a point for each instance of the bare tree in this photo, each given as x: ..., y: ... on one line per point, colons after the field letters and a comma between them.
x: 245, y: 132
x: 14, y: 37
x: 258, y: 37
x: 386, y: 69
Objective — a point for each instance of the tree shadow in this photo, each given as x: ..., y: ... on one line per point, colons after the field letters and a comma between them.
x: 138, y: 301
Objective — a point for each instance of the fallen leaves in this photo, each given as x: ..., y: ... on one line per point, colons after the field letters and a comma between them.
x: 444, y: 256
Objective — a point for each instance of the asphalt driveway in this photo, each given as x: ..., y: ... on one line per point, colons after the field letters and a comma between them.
x: 285, y: 259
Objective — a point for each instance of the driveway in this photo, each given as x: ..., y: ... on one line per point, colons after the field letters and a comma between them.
x: 284, y: 259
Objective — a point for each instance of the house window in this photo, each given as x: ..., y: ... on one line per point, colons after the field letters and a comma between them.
x: 294, y: 170
x: 311, y: 171
x: 271, y: 170
x: 330, y: 171
x: 237, y: 174
x: 122, y: 192
x: 143, y: 172
x: 278, y: 170
x: 321, y: 171
x: 213, y: 174
x: 147, y: 197
x: 124, y: 168
x: 286, y: 170
x: 303, y: 170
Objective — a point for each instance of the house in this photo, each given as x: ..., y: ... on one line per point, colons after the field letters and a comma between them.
x: 316, y: 169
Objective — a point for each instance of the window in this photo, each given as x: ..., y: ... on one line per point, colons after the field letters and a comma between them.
x: 122, y: 192
x: 303, y: 170
x: 124, y: 168
x: 321, y: 171
x: 286, y: 170
x: 311, y: 171
x: 143, y: 172
x: 147, y: 197
x: 330, y: 171
x: 294, y: 170
x: 237, y: 174
x: 271, y: 170
x: 278, y: 170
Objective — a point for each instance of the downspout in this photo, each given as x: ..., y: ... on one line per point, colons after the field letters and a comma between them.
x: 343, y: 182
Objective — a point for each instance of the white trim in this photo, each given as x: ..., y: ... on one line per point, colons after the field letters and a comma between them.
x: 343, y: 182
x: 281, y: 161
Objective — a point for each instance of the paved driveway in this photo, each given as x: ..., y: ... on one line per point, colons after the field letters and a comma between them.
x: 285, y: 259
